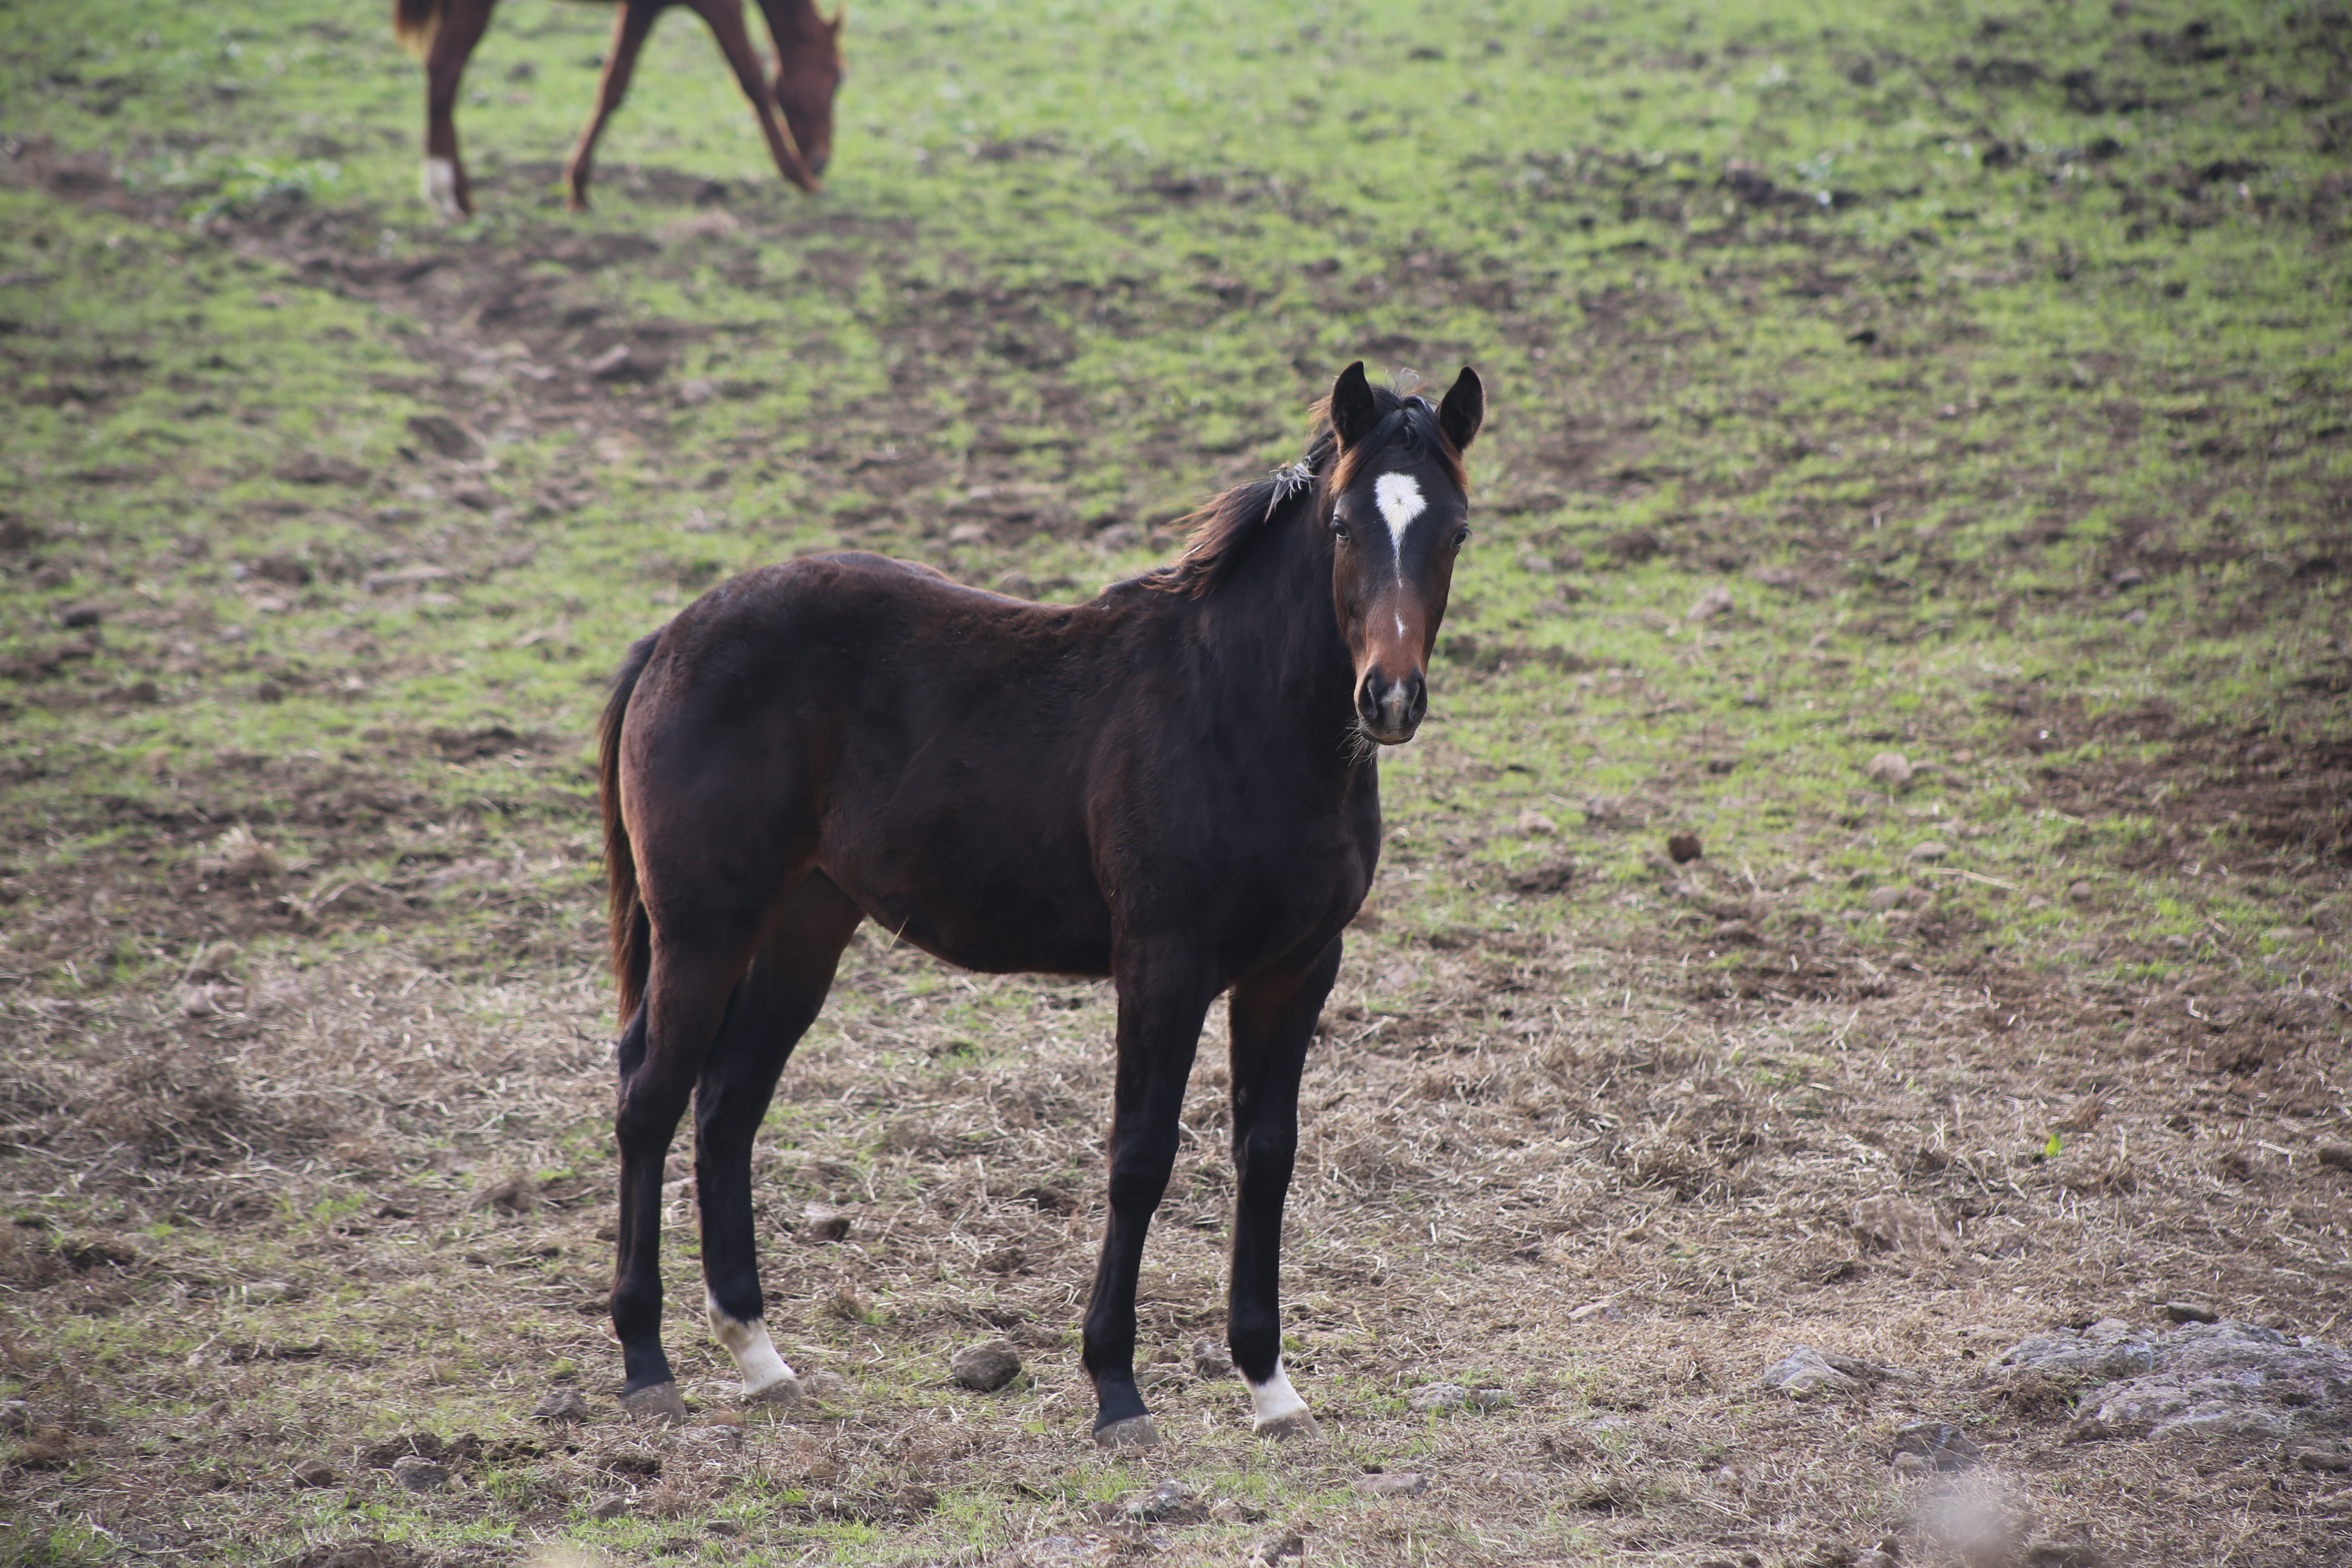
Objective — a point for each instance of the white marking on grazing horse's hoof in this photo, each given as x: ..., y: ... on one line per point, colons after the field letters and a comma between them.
x: 1400, y: 499
x: 440, y: 185
x: 765, y: 1375
x: 1279, y: 1410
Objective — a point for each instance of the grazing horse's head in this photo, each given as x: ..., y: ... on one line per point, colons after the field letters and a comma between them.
x: 1399, y: 510
x: 809, y: 70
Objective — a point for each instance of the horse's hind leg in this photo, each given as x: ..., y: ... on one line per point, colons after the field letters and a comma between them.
x: 773, y: 1005
x: 1273, y: 1019
x: 457, y: 30
x: 663, y: 1053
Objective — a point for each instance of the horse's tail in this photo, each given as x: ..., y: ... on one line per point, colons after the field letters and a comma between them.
x: 632, y: 933
x: 413, y: 22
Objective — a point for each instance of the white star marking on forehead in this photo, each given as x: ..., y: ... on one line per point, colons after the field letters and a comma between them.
x: 1400, y: 499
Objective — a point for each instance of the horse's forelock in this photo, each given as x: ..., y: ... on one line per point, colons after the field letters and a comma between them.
x: 1405, y: 421
x: 1219, y: 530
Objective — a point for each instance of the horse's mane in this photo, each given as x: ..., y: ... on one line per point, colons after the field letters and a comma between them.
x: 1220, y: 532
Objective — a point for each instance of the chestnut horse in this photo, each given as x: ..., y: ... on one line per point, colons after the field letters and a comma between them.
x: 1171, y: 785
x: 808, y: 73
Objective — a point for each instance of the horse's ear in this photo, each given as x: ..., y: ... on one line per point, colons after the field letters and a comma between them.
x: 1353, y: 411
x: 840, y: 15
x: 1463, y: 410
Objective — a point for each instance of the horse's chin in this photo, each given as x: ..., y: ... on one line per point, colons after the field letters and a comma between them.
x: 1397, y: 737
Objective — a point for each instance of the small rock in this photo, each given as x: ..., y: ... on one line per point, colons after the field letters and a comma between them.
x: 826, y: 1385
x: 1910, y: 1465
x: 1930, y: 849
x: 695, y: 390
x: 419, y: 1474
x: 1892, y: 768
x: 986, y: 1367
x: 724, y: 1529
x: 1535, y: 824
x: 1716, y: 601
x: 609, y: 1507
x: 16, y: 1418
x: 1606, y: 1311
x: 2339, y: 1155
x: 2136, y: 616
x: 1937, y: 1443
x: 1276, y: 1548
x: 74, y: 616
x: 614, y: 365
x: 316, y: 1473
x: 445, y: 436
x: 1169, y: 1503
x: 1210, y: 1359
x: 2079, y: 891
x: 1803, y: 1373
x: 1735, y: 931
x: 1886, y: 898
x: 2127, y: 578
x: 1017, y: 583
x: 968, y: 534
x: 826, y: 1222
x: 561, y: 1407
x: 1685, y: 847
x: 1392, y: 1484
x: 1437, y: 1396
x: 2189, y: 1313
x: 1490, y: 1399
x: 2336, y: 1459
x: 263, y: 1292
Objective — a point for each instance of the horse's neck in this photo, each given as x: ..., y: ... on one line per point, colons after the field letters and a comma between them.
x: 1272, y: 626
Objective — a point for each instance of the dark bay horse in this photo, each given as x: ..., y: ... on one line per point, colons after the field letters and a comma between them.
x: 808, y: 73
x: 1171, y: 785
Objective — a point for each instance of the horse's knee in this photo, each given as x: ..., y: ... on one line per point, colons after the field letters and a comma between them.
x: 1137, y: 1192
x: 1263, y: 1158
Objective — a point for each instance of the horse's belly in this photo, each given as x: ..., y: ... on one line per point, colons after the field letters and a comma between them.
x: 977, y: 913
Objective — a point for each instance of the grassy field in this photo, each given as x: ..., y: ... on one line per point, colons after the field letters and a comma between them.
x: 1966, y: 384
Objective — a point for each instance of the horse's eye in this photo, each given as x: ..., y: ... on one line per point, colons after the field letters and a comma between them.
x: 1460, y: 536
x: 1338, y: 526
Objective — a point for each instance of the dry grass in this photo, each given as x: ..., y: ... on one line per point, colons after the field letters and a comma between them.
x: 363, y: 1208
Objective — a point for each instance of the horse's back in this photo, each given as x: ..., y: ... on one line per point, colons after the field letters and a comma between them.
x: 930, y: 746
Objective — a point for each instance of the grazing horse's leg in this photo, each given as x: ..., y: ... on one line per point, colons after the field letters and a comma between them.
x: 630, y: 30
x: 1162, y: 999
x: 773, y: 1004
x: 726, y: 20
x: 1273, y: 1019
x: 688, y: 987
x: 460, y: 28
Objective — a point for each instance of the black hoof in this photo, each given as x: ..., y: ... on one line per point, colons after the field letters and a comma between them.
x: 656, y: 1401
x: 1135, y: 1432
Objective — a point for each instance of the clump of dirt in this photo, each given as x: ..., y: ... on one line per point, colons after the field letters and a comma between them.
x: 180, y: 1104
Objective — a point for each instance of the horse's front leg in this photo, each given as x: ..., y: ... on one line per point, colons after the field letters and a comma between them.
x: 1162, y: 998
x: 1273, y: 1019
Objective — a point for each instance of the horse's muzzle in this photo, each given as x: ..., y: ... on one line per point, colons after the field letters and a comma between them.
x: 1388, y: 711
